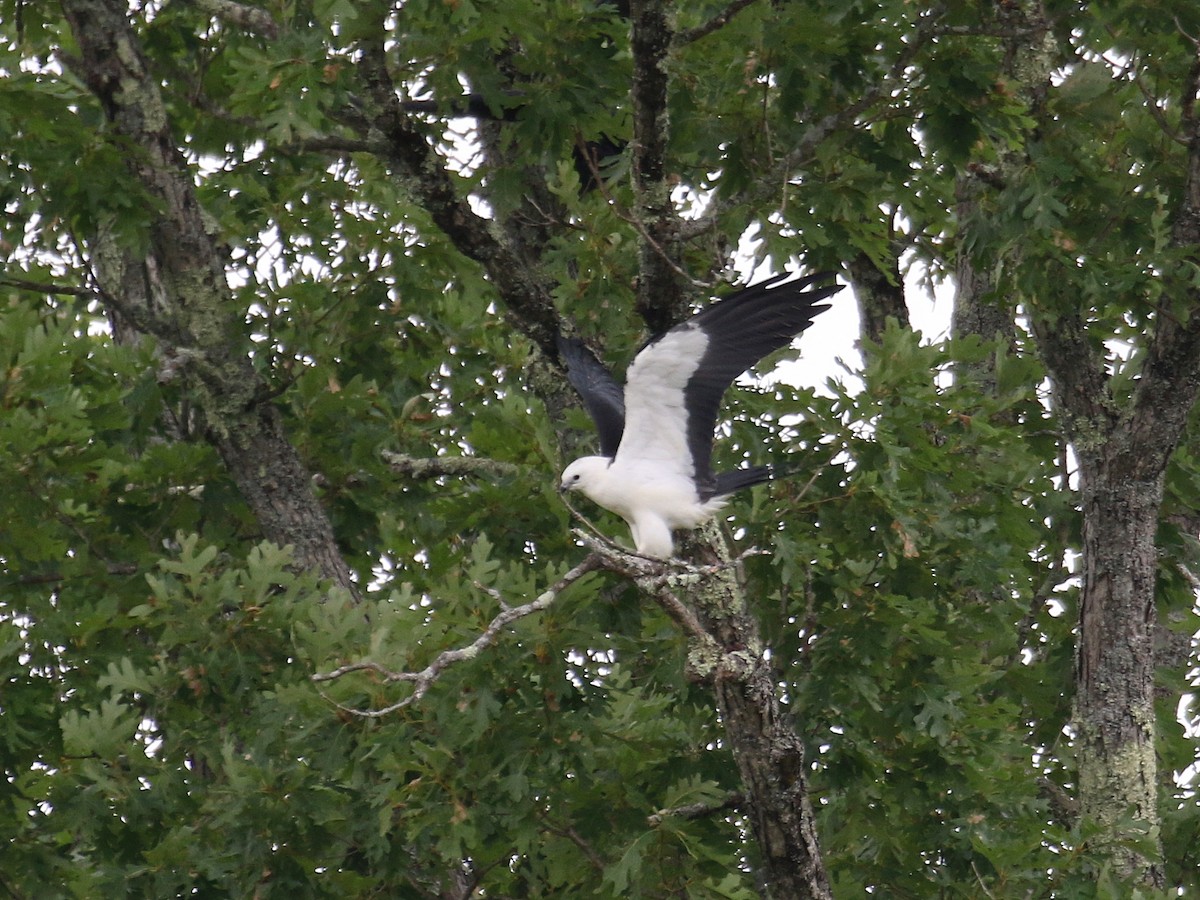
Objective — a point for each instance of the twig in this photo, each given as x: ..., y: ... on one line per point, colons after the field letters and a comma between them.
x: 1130, y: 69
x: 111, y: 568
x: 983, y: 887
x: 424, y: 679
x: 638, y: 226
x: 45, y: 287
x: 720, y: 20
x: 576, y: 838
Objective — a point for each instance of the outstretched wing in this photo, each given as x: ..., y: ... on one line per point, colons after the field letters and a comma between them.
x: 603, y: 398
x: 674, y: 386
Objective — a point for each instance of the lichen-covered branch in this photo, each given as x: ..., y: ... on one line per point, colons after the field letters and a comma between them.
x: 447, y: 466
x: 726, y: 652
x: 251, y: 18
x: 698, y: 810
x: 177, y: 292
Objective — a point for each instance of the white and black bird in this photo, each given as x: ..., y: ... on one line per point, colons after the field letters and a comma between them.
x: 656, y: 433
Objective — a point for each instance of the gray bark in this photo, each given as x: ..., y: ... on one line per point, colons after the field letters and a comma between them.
x: 880, y: 296
x: 184, y: 301
x: 1123, y: 445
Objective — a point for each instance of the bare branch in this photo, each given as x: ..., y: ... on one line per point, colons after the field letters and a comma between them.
x: 423, y: 680
x: 447, y: 466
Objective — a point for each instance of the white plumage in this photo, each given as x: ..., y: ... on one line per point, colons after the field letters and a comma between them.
x: 656, y: 433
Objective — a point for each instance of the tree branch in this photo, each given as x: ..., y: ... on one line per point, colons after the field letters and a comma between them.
x: 45, y: 287
x: 576, y: 838
x: 880, y: 294
x: 176, y: 290
x: 927, y: 28
x: 250, y: 18
x: 330, y: 143
x: 700, y: 810
x: 423, y: 680
x: 447, y: 466
x: 720, y: 20
x: 528, y: 302
x: 660, y: 301
x: 1170, y: 378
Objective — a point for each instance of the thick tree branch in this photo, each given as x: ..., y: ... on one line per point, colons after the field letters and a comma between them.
x: 1170, y: 379
x: 726, y: 652
x: 178, y: 293
x: 660, y: 300
x: 447, y: 466
x: 1081, y: 385
x: 250, y: 18
x: 880, y: 295
x: 526, y: 294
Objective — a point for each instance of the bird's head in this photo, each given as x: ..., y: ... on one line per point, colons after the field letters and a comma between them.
x: 584, y: 473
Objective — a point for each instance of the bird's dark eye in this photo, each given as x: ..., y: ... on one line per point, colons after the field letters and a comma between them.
x: 574, y: 478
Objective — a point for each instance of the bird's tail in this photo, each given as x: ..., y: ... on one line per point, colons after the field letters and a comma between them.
x: 728, y: 482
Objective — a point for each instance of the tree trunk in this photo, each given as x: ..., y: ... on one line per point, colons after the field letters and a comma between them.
x: 1114, y: 701
x: 978, y: 308
x: 880, y: 296
x: 770, y: 760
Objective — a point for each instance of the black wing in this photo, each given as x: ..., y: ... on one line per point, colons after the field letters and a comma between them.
x: 603, y: 398
x: 741, y: 330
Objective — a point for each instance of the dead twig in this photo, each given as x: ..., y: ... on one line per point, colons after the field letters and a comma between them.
x: 424, y: 679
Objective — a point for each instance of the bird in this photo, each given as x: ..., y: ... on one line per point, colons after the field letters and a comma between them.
x: 656, y: 432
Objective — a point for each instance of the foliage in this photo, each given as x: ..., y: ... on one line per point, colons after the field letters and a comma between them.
x: 159, y: 730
